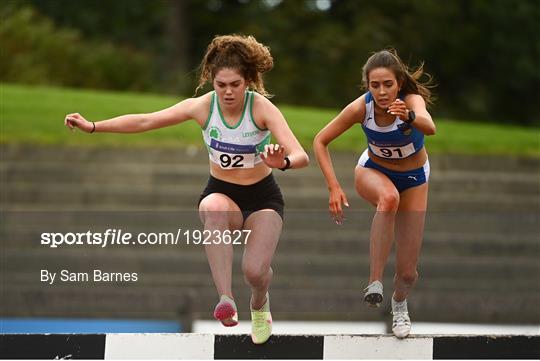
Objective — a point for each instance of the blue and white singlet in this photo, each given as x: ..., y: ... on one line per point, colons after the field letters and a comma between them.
x: 396, y: 141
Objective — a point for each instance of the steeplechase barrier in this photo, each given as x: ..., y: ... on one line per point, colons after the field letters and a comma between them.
x: 209, y: 346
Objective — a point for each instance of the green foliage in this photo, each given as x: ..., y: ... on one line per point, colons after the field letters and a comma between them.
x: 35, y: 51
x: 483, y: 54
x: 42, y: 123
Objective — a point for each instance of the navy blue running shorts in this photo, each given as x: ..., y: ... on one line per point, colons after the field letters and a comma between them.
x: 402, y: 180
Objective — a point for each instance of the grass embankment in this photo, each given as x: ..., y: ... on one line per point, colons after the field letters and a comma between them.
x: 34, y: 115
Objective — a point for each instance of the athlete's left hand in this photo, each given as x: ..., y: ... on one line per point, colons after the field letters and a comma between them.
x: 399, y: 108
x: 273, y: 155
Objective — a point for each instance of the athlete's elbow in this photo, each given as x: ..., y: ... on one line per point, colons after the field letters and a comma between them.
x: 319, y: 141
x: 302, y: 160
x: 431, y: 130
x: 306, y: 158
x: 316, y: 141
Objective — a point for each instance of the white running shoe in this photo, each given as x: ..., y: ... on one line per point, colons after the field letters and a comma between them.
x: 401, y: 323
x: 374, y: 294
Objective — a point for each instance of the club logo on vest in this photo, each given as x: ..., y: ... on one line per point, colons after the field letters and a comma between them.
x: 214, y: 133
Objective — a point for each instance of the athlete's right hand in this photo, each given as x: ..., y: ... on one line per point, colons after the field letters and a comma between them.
x: 75, y: 120
x: 336, y: 200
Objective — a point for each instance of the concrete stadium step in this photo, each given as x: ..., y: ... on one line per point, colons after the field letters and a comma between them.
x: 303, y: 231
x: 496, y: 163
x: 355, y: 219
x: 98, y: 302
x: 435, y: 305
x: 59, y: 163
x: 114, y: 174
x: 328, y: 283
x: 434, y: 243
x: 481, y: 240
x: 294, y: 303
x: 110, y: 173
x: 308, y: 219
x: 307, y: 224
x: 57, y: 168
x: 76, y: 154
x: 185, y: 195
x: 348, y: 305
x: 72, y: 154
x: 459, y: 222
x: 331, y: 295
x: 148, y: 261
x: 333, y: 243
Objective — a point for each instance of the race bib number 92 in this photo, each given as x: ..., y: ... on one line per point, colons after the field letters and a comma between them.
x: 233, y: 161
x: 232, y: 156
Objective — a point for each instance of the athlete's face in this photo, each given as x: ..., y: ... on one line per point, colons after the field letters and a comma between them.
x: 230, y: 87
x: 383, y: 85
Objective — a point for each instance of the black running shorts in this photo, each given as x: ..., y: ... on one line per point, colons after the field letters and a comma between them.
x: 265, y: 194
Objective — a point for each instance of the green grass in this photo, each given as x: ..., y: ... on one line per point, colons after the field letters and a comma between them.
x: 34, y: 115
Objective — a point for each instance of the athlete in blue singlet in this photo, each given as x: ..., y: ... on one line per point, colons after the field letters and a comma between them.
x: 241, y: 194
x: 392, y: 173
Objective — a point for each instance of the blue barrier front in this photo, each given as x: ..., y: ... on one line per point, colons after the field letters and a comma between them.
x: 84, y: 325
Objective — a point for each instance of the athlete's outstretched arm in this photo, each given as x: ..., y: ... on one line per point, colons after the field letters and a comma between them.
x: 353, y: 113
x: 137, y: 123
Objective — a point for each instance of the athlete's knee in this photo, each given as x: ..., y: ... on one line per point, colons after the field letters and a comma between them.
x: 407, y: 278
x: 216, y: 210
x: 256, y: 275
x: 214, y: 203
x: 388, y: 201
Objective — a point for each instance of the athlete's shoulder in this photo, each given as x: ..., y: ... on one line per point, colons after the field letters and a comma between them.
x: 413, y: 98
x: 199, y: 107
x: 200, y: 102
x: 358, y: 106
x: 259, y: 100
x: 368, y: 97
x: 262, y: 108
x: 205, y: 100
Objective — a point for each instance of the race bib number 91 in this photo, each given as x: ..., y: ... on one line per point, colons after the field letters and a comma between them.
x: 393, y: 152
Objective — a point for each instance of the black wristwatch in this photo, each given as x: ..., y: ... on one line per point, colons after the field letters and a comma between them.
x: 287, y: 164
x: 412, y: 117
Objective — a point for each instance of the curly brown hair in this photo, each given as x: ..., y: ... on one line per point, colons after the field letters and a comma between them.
x: 242, y: 53
x: 409, y: 80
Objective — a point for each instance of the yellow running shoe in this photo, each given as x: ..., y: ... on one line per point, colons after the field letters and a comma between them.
x: 261, y: 323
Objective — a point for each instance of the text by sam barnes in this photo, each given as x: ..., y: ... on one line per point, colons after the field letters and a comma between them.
x: 92, y: 276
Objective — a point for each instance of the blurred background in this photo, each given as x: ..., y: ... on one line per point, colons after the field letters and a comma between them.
x: 479, y: 264
x: 483, y: 54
